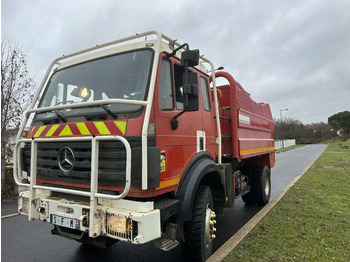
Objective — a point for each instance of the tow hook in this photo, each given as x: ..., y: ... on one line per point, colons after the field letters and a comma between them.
x: 41, y: 210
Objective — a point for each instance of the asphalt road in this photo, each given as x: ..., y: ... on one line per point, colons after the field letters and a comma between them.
x: 32, y: 241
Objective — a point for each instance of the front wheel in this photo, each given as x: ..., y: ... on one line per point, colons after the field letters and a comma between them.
x: 199, y: 231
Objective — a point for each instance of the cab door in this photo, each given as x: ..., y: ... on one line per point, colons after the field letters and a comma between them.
x: 180, y: 145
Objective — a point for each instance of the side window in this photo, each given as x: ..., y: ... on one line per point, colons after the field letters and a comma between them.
x: 205, y: 94
x: 165, y: 100
x: 179, y: 98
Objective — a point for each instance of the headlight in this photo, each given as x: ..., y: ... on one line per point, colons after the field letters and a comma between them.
x: 119, y: 226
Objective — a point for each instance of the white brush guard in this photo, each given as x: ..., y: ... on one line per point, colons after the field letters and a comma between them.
x: 132, y: 221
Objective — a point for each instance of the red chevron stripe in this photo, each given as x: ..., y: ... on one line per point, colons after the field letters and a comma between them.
x: 33, y: 131
x: 73, y: 127
x: 113, y: 128
x: 58, y: 130
x: 92, y: 128
x: 47, y: 128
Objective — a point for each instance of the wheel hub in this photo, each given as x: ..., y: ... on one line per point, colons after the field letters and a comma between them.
x: 209, y: 225
x: 267, y: 184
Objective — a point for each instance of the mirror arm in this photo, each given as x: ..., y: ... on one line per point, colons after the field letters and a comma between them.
x: 175, y: 122
x: 177, y: 49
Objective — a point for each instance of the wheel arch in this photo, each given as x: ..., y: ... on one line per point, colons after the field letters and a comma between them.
x: 266, y: 159
x: 202, y: 171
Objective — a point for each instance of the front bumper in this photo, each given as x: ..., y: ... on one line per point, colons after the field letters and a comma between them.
x: 132, y: 221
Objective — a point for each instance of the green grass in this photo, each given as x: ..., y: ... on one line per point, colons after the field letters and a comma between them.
x: 287, y: 148
x: 312, y: 220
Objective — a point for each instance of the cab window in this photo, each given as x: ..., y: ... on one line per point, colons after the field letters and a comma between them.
x: 165, y: 97
x: 205, y: 94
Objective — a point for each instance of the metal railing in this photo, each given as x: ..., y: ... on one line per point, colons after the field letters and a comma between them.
x: 280, y: 144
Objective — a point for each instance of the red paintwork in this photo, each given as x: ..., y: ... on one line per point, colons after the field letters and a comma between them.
x: 134, y: 192
x: 252, y: 123
x: 180, y: 145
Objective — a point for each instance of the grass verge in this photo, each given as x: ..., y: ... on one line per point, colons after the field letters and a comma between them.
x: 312, y: 220
x: 288, y: 148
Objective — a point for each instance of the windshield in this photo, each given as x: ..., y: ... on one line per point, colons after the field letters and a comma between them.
x: 123, y: 76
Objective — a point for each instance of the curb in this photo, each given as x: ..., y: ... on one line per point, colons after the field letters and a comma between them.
x: 230, y: 244
x: 11, y: 215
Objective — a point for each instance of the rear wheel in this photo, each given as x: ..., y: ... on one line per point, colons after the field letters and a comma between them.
x: 261, y: 185
x: 199, y: 231
x: 248, y: 199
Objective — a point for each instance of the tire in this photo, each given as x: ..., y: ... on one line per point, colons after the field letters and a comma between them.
x: 261, y: 185
x: 248, y: 199
x: 199, y: 231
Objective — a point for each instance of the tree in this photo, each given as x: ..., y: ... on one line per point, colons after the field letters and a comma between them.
x: 16, y: 92
x: 290, y: 129
x: 340, y: 120
x: 303, y: 134
x: 320, y: 132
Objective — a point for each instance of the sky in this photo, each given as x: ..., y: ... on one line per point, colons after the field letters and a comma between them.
x: 292, y: 54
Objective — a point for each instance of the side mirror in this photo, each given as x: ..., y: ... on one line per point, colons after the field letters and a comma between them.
x: 190, y: 91
x: 189, y: 83
x: 190, y: 57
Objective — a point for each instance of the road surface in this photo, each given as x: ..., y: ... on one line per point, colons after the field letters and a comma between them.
x: 32, y: 241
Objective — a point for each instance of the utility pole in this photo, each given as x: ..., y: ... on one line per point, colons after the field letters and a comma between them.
x: 282, y: 126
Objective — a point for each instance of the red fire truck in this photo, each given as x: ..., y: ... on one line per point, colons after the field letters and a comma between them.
x: 133, y: 141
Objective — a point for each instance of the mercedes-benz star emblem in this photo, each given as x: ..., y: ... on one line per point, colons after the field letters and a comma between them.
x: 65, y: 158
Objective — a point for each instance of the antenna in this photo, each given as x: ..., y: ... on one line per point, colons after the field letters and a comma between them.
x: 93, y: 34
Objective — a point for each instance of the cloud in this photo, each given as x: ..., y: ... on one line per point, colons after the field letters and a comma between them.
x: 288, y: 53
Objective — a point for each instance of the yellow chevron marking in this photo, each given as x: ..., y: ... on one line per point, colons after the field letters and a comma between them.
x: 121, y: 125
x: 66, y: 131
x: 83, y: 129
x: 40, y: 130
x: 101, y: 127
x: 254, y: 150
x: 52, y: 130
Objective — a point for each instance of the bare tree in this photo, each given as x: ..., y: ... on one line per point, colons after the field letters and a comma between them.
x: 17, y: 89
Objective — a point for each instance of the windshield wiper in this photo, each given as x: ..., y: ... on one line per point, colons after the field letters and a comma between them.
x: 105, y: 108
x: 100, y: 115
x: 59, y: 117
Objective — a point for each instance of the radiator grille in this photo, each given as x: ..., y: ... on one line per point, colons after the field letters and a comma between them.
x: 112, y: 161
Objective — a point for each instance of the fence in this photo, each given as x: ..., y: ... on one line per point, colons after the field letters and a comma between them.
x: 284, y: 143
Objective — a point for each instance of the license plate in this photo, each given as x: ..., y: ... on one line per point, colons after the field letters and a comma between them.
x: 64, y: 221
